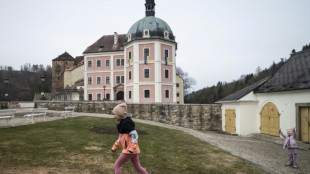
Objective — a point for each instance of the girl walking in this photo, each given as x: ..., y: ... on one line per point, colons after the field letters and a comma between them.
x: 128, y: 139
x: 290, y: 144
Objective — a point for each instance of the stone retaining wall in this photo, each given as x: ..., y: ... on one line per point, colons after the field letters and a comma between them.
x: 199, y: 117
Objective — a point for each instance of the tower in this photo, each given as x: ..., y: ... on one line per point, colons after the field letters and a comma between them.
x: 149, y: 8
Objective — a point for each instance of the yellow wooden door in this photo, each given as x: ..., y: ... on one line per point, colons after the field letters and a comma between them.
x: 270, y: 120
x: 264, y: 117
x: 305, y: 124
x: 230, y: 121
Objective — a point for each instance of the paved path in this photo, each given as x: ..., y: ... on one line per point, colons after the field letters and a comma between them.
x: 269, y: 156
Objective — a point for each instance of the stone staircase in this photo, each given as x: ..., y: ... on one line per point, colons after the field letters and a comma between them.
x: 278, y: 140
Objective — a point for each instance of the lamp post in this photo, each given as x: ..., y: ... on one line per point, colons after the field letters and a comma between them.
x: 42, y: 93
x: 104, y: 93
x: 7, y: 91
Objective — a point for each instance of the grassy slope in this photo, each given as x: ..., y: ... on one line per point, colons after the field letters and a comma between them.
x: 68, y: 146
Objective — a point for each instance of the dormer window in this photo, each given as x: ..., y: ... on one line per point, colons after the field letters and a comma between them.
x: 166, y: 34
x: 129, y: 37
x: 146, y: 33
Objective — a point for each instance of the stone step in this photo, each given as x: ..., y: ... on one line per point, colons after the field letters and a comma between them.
x: 279, y: 140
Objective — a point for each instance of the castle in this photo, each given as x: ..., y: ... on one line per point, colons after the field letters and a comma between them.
x: 138, y: 67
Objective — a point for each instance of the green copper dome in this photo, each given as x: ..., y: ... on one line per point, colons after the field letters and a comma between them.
x: 150, y: 27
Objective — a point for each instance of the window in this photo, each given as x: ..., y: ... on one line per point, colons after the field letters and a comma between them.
x: 90, y: 64
x: 166, y: 34
x: 122, y: 79
x: 178, y: 94
x: 57, y: 68
x: 107, y: 80
x: 166, y: 73
x: 107, y: 62
x: 167, y: 93
x: 129, y: 55
x: 89, y: 80
x: 146, y: 73
x: 146, y: 93
x: 146, y: 52
x: 146, y: 33
x: 118, y: 62
x: 122, y: 62
x: 98, y: 97
x: 129, y: 37
x: 129, y: 75
x: 166, y: 53
x: 98, y: 80
x: 129, y: 58
x: 118, y: 79
x: 90, y: 97
x: 98, y: 63
x: 129, y: 95
x: 178, y: 85
x: 108, y: 96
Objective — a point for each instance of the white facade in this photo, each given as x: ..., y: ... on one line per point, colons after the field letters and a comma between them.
x: 248, y: 109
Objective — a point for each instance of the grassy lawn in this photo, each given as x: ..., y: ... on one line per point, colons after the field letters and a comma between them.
x: 68, y: 146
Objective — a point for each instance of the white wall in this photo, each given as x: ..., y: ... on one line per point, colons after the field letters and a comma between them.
x: 231, y: 105
x: 248, y: 119
x: 286, y: 104
x: 249, y: 107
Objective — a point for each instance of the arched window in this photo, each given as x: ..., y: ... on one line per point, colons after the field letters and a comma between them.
x: 166, y: 34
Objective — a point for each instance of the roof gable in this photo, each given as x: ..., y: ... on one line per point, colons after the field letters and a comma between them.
x: 241, y: 93
x: 64, y: 57
x: 106, y: 44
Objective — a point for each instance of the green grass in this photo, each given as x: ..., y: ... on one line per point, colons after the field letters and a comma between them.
x: 68, y: 146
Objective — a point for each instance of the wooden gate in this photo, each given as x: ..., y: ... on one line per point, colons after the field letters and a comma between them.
x: 230, y: 121
x: 270, y: 120
x: 305, y: 123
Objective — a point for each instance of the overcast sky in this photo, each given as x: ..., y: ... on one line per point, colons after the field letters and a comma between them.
x: 218, y: 40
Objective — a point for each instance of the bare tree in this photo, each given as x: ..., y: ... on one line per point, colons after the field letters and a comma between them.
x: 188, y: 82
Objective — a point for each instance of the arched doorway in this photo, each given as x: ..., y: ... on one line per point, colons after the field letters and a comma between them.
x: 270, y: 120
x: 120, y: 95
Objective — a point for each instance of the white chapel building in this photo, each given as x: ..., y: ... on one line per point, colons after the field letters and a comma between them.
x: 280, y: 101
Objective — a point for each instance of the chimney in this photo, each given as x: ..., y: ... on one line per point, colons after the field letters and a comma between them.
x: 115, y: 38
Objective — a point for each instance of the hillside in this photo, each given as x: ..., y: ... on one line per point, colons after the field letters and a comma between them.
x: 214, y: 93
x: 24, y: 83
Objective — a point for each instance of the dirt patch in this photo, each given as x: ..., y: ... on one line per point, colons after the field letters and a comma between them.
x: 93, y: 148
x: 111, y: 130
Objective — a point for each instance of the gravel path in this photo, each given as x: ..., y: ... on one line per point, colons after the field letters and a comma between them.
x: 269, y: 156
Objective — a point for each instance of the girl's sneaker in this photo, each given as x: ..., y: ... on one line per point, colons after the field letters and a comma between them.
x: 288, y: 164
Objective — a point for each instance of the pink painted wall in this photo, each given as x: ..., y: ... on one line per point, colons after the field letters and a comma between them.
x: 130, y: 68
x: 98, y: 91
x: 149, y: 66
x: 114, y: 63
x: 94, y: 63
x: 164, y: 47
x: 152, y: 93
x: 141, y: 51
x: 163, y: 68
x: 117, y: 74
x: 94, y: 79
x: 163, y: 92
x: 130, y: 88
x: 129, y: 49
